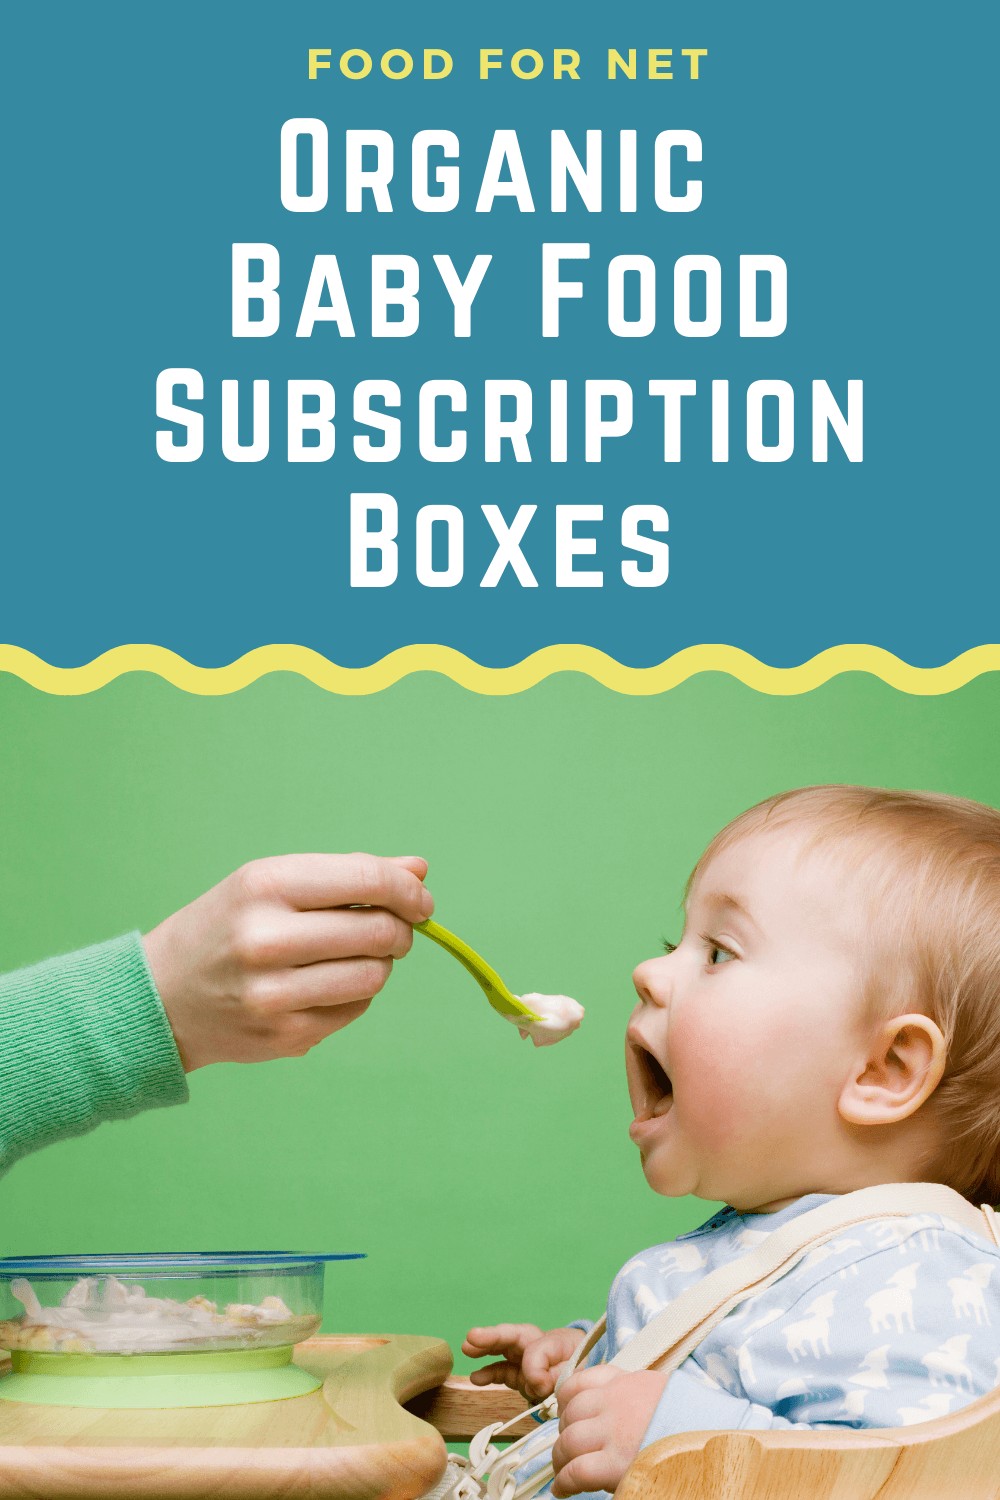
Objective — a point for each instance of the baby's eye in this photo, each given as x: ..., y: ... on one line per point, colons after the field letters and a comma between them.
x: 668, y: 946
x: 717, y: 955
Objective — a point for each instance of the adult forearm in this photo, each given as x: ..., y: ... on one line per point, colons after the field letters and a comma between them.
x: 83, y: 1039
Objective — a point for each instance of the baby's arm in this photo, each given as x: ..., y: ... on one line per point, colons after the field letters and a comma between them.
x: 531, y: 1361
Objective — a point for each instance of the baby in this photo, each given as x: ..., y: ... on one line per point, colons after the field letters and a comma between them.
x: 829, y: 1020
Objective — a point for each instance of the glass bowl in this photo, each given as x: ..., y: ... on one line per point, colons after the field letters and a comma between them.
x: 160, y: 1304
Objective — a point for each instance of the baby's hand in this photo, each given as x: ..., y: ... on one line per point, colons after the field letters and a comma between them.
x: 603, y: 1418
x: 532, y: 1360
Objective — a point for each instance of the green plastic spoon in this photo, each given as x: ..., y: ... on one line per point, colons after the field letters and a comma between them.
x: 492, y: 985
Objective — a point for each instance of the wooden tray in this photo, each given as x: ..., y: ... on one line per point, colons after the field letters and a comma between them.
x: 353, y: 1439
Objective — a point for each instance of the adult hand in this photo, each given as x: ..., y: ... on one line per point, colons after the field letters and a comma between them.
x: 283, y: 952
x: 603, y: 1416
x: 532, y: 1360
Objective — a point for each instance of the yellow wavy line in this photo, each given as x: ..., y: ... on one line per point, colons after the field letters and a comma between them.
x: 496, y: 681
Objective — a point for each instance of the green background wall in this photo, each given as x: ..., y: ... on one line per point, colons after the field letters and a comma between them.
x: 485, y: 1179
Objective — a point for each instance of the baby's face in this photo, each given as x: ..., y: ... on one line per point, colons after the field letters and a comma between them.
x: 745, y: 1034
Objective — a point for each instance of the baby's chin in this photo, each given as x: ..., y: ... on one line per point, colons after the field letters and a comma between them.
x: 665, y: 1174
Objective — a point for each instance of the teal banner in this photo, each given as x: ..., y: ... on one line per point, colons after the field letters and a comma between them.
x: 632, y: 328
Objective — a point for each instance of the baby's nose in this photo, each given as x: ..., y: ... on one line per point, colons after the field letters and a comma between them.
x: 649, y: 982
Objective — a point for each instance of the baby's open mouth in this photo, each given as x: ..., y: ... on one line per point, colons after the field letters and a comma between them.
x: 652, y: 1093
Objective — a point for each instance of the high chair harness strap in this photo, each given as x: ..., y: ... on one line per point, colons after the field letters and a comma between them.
x: 667, y: 1340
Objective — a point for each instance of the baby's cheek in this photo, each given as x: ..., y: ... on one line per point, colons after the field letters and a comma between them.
x: 721, y: 1081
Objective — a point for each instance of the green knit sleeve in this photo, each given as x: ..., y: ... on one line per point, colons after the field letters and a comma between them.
x: 83, y: 1039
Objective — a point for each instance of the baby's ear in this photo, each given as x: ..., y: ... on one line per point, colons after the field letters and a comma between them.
x: 903, y: 1068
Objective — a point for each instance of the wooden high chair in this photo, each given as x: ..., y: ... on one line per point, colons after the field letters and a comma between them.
x: 954, y: 1457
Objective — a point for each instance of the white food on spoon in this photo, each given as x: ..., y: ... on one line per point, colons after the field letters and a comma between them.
x: 559, y: 1016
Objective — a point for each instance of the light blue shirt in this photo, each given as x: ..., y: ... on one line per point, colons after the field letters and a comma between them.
x: 893, y: 1322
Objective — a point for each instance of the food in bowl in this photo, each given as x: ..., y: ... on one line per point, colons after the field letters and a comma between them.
x: 136, y: 1304
x: 107, y: 1316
